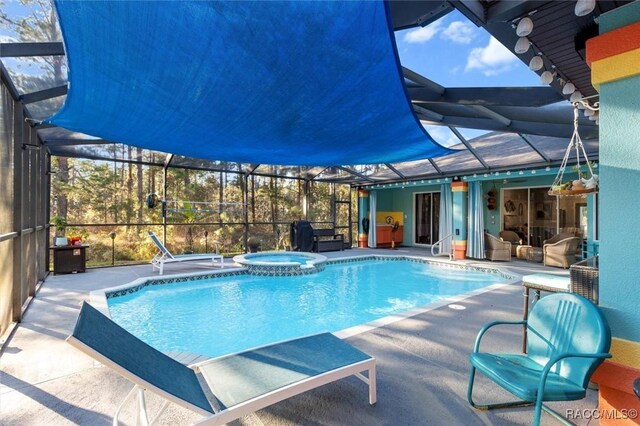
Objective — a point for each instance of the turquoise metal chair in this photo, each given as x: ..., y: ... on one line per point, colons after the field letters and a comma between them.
x: 567, y: 339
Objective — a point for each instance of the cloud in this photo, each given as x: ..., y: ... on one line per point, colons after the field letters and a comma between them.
x: 459, y: 32
x: 423, y: 35
x: 493, y: 59
x: 7, y: 39
x: 441, y: 134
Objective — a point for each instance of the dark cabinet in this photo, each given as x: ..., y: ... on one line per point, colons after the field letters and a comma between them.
x: 68, y: 259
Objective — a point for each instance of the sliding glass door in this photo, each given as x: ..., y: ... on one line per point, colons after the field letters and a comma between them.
x: 427, y: 217
x: 537, y: 216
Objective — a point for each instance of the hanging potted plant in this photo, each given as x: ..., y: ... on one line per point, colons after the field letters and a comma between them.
x: 60, y: 223
x: 587, y: 181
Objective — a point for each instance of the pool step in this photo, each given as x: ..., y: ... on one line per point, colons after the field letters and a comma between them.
x: 187, y: 358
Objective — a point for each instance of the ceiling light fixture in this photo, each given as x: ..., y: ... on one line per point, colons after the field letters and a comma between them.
x: 522, y: 45
x: 525, y: 26
x: 575, y: 96
x: 547, y: 77
x: 568, y: 89
x: 585, y: 7
x: 536, y: 63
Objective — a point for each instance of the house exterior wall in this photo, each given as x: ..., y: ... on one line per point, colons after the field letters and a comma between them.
x: 614, y: 57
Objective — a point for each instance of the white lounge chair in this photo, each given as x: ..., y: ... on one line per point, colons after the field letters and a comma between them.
x: 165, y: 256
x: 236, y: 385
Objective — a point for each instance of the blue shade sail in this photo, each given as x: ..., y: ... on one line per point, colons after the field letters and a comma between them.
x: 272, y: 82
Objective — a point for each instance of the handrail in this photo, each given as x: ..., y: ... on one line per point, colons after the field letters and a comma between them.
x: 439, y: 244
x: 9, y: 236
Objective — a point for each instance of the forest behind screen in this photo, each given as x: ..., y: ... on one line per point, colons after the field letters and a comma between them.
x: 99, y: 198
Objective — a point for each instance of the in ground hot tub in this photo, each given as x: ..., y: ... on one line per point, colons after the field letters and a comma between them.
x: 282, y: 263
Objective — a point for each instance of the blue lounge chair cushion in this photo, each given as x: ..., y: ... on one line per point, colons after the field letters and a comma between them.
x: 241, y: 377
x: 521, y: 376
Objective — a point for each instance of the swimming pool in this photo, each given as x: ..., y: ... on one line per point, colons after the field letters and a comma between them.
x: 216, y: 316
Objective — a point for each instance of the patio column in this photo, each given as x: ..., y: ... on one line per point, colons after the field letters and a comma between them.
x: 614, y: 57
x: 460, y: 211
x: 363, y: 213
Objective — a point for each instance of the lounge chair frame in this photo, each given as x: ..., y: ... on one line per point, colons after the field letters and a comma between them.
x: 164, y: 256
x: 227, y: 414
x: 293, y: 389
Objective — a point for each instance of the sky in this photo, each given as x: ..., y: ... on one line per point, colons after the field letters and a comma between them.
x: 453, y: 52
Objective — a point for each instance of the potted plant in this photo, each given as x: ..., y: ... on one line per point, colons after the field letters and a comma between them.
x: 254, y: 244
x: 60, y: 223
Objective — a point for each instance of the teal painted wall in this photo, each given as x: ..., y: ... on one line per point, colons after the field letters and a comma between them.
x: 402, y: 200
x: 620, y: 198
x: 620, y: 17
x: 619, y: 194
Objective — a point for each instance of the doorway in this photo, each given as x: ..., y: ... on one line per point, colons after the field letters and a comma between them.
x: 427, y: 218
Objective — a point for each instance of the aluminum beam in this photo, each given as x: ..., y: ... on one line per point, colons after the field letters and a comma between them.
x: 540, y: 153
x: 394, y: 170
x: 423, y: 81
x: 17, y: 50
x: 435, y: 166
x: 488, y: 96
x: 469, y: 147
x: 491, y: 114
x: 537, y: 128
x: 428, y: 113
x: 42, y: 95
x: 414, y: 13
x: 354, y: 173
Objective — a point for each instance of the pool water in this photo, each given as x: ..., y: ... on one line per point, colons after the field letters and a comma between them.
x: 278, y: 258
x: 223, y: 315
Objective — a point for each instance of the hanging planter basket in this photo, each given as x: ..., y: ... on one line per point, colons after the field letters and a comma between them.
x: 571, y: 193
x: 586, y: 183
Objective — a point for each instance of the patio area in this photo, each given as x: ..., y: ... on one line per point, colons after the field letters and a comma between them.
x: 422, y: 362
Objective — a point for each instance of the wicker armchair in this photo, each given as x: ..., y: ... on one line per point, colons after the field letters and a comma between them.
x: 513, y: 238
x: 558, y: 237
x: 496, y: 249
x: 561, y: 253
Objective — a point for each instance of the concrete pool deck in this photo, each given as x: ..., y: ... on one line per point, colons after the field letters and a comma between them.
x: 422, y: 362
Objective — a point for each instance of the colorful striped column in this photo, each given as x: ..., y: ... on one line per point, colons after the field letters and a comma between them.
x: 460, y: 211
x: 363, y: 212
x: 614, y: 58
x: 614, y: 55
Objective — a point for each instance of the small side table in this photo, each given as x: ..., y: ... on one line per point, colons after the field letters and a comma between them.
x: 534, y: 254
x: 69, y: 259
x: 521, y: 252
x: 540, y: 282
x: 585, y: 277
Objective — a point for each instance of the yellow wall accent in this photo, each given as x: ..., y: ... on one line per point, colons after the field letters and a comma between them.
x: 615, y: 68
x: 625, y: 352
x: 381, y: 218
x: 459, y: 187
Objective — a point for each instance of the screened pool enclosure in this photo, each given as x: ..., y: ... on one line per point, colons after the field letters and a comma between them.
x: 111, y: 190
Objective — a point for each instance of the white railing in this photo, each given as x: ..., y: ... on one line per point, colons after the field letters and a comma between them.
x: 438, y: 244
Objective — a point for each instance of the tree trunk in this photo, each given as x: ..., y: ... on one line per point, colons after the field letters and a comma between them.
x: 63, y: 177
x: 140, y: 188
x: 220, y: 197
x: 129, y: 206
x: 272, y: 203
